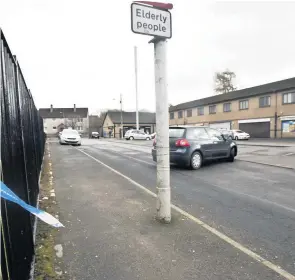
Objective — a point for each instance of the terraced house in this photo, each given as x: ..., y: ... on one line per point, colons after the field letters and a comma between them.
x: 265, y: 111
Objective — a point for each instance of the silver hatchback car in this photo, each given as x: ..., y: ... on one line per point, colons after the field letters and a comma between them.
x: 134, y: 134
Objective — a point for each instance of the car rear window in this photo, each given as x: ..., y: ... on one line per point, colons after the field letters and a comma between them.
x: 176, y: 132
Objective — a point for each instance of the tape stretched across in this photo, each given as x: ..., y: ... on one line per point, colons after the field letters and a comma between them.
x: 8, y: 194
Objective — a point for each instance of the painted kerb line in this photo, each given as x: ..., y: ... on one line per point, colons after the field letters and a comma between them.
x: 222, y: 236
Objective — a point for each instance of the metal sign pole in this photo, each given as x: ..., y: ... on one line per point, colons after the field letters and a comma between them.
x: 162, y: 129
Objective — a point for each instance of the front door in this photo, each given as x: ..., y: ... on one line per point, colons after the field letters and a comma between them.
x: 198, y: 136
x: 219, y: 147
x: 141, y: 135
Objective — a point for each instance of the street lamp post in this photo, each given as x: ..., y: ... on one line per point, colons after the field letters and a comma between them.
x: 121, y: 103
x: 121, y: 109
x: 136, y: 87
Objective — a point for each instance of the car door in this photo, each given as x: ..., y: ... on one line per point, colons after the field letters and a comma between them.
x: 219, y: 147
x: 137, y: 135
x: 199, y: 139
x: 141, y: 135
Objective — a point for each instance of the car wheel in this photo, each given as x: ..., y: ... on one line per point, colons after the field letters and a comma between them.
x: 232, y: 155
x: 148, y: 138
x: 237, y: 138
x: 196, y: 160
x: 131, y: 138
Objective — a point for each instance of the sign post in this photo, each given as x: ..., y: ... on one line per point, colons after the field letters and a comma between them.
x: 155, y: 20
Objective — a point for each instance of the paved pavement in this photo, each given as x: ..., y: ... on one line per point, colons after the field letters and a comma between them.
x: 111, y: 233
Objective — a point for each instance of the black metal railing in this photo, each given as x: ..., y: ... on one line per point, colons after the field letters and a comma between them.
x: 22, y: 148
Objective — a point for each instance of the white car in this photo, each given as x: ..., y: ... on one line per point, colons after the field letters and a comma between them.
x: 240, y: 135
x: 134, y: 134
x: 71, y: 137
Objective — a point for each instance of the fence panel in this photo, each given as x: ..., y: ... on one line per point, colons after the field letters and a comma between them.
x: 22, y: 147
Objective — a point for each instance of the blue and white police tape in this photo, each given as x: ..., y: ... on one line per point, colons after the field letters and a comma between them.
x: 7, y: 194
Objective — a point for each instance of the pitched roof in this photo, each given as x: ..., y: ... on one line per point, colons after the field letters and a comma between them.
x: 95, y: 120
x: 238, y: 94
x: 63, y: 113
x: 130, y: 117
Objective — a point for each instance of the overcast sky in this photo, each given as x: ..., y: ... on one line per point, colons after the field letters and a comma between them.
x: 81, y: 52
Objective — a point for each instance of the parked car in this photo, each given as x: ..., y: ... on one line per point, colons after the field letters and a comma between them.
x: 70, y: 136
x: 95, y: 135
x: 134, y: 134
x: 240, y: 135
x: 191, y: 146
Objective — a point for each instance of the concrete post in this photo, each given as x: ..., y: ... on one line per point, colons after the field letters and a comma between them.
x: 162, y: 128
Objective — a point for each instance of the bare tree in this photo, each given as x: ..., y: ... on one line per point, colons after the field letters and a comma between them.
x: 71, y: 122
x: 224, y: 81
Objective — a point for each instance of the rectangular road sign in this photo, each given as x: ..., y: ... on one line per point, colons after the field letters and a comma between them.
x: 151, y: 21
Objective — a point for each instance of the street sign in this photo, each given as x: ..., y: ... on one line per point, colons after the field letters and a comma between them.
x: 154, y: 19
x: 151, y: 21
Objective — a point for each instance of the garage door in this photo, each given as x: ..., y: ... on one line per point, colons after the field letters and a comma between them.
x: 224, y: 126
x: 256, y: 130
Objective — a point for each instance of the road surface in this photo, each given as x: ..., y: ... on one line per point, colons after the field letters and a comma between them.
x: 250, y: 203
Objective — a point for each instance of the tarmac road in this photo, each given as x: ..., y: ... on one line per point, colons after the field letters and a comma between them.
x: 251, y: 203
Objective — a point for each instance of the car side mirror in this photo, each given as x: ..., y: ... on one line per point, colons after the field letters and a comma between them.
x: 225, y: 137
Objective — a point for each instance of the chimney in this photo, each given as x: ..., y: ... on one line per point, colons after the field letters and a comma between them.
x: 51, y: 108
x: 74, y: 107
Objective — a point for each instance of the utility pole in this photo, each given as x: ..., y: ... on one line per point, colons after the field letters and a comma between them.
x: 122, y: 130
x: 136, y: 86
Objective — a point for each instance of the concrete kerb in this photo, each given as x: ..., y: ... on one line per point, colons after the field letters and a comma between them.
x: 261, y: 145
x: 268, y: 164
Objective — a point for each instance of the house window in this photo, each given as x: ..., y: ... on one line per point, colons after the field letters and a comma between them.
x: 180, y: 114
x: 289, y: 98
x: 264, y: 101
x: 244, y: 104
x: 226, y: 107
x: 212, y: 109
x: 172, y: 116
x: 200, y: 111
x: 189, y: 113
